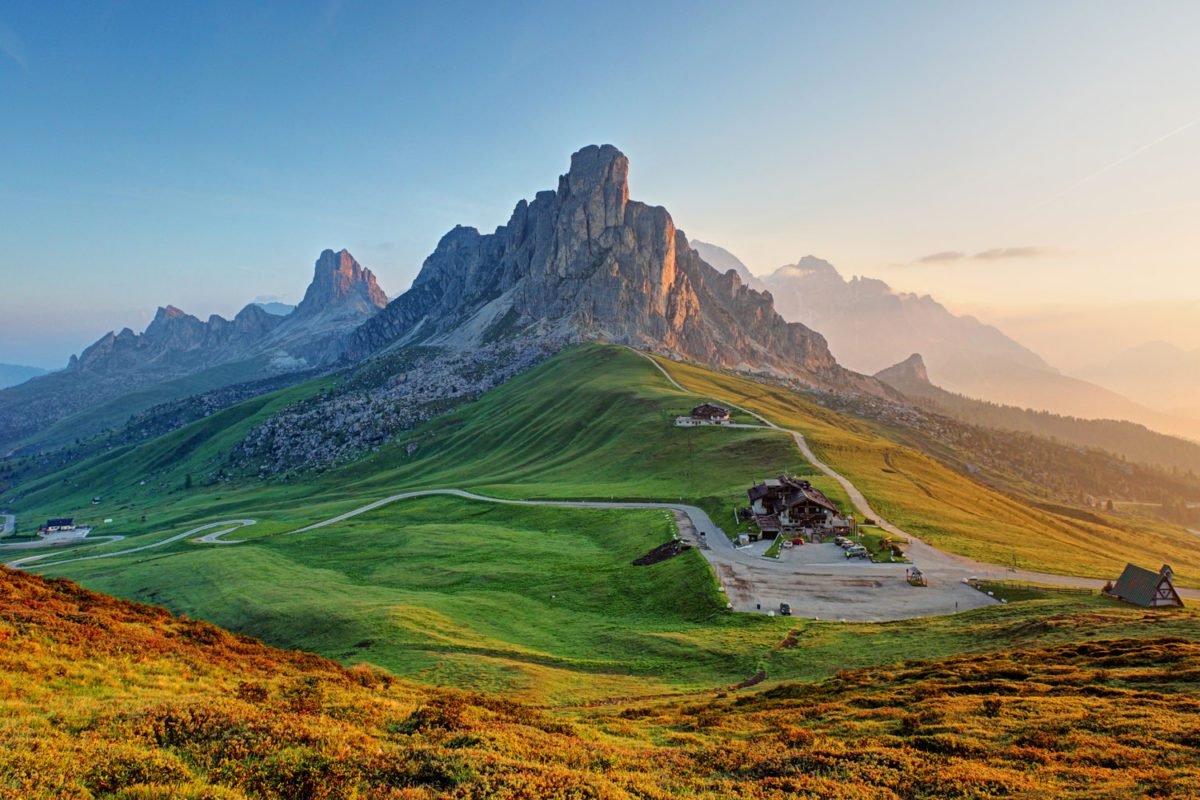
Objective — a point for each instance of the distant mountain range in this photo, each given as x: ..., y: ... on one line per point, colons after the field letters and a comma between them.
x: 870, y: 326
x: 178, y: 354
x: 275, y: 307
x: 12, y: 374
x: 1128, y: 439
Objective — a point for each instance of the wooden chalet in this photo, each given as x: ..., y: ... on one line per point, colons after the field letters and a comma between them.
x: 1147, y: 589
x: 55, y: 524
x: 707, y: 412
x: 787, y: 504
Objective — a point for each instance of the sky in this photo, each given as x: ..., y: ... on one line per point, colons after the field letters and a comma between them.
x: 1013, y: 159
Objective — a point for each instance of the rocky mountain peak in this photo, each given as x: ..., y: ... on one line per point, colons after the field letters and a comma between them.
x: 586, y: 263
x: 599, y: 177
x: 909, y: 372
x: 340, y: 281
x: 169, y: 312
x: 168, y: 319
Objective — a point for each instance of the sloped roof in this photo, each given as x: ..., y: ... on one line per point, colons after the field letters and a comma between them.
x: 709, y: 410
x: 791, y: 492
x: 1138, y: 585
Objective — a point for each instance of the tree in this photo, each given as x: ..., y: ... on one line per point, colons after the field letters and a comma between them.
x: 187, y: 481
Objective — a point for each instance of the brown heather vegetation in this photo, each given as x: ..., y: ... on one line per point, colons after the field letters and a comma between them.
x: 105, y: 698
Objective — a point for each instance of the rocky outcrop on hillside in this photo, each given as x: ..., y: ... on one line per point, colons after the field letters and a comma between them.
x: 910, y: 372
x: 724, y: 261
x: 377, y: 400
x: 586, y: 263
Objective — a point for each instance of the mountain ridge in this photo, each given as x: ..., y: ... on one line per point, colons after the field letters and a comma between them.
x: 870, y: 326
x: 176, y: 345
x: 1130, y: 440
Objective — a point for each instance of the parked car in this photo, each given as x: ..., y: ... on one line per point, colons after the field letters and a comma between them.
x: 785, y: 610
x: 857, y: 551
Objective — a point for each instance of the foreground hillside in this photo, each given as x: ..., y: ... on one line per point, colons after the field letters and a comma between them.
x: 104, y: 698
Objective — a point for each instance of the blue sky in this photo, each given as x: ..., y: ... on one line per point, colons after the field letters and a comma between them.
x: 203, y: 154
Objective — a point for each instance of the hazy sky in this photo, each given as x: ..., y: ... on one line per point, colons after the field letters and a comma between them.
x: 1001, y: 156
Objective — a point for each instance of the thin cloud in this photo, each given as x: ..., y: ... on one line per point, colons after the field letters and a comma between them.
x: 11, y: 46
x: 999, y: 253
x: 992, y: 254
x: 942, y: 257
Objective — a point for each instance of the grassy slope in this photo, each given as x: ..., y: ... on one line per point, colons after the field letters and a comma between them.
x: 947, y: 509
x: 540, y: 601
x: 102, y: 698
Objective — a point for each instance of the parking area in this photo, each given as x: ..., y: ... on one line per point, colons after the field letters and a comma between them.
x: 827, y: 553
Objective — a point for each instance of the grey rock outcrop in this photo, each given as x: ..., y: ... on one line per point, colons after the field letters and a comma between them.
x: 586, y: 263
x: 908, y: 373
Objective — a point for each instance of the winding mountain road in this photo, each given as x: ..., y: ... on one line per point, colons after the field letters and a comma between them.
x: 228, y: 526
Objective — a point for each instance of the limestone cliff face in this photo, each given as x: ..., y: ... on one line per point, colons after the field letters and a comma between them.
x: 586, y: 263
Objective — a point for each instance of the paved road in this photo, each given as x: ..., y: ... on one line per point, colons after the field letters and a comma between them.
x: 228, y: 526
x: 64, y: 539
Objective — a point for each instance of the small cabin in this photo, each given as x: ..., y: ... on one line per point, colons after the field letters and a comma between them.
x: 55, y: 524
x: 1145, y: 588
x: 787, y: 504
x: 705, y: 414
